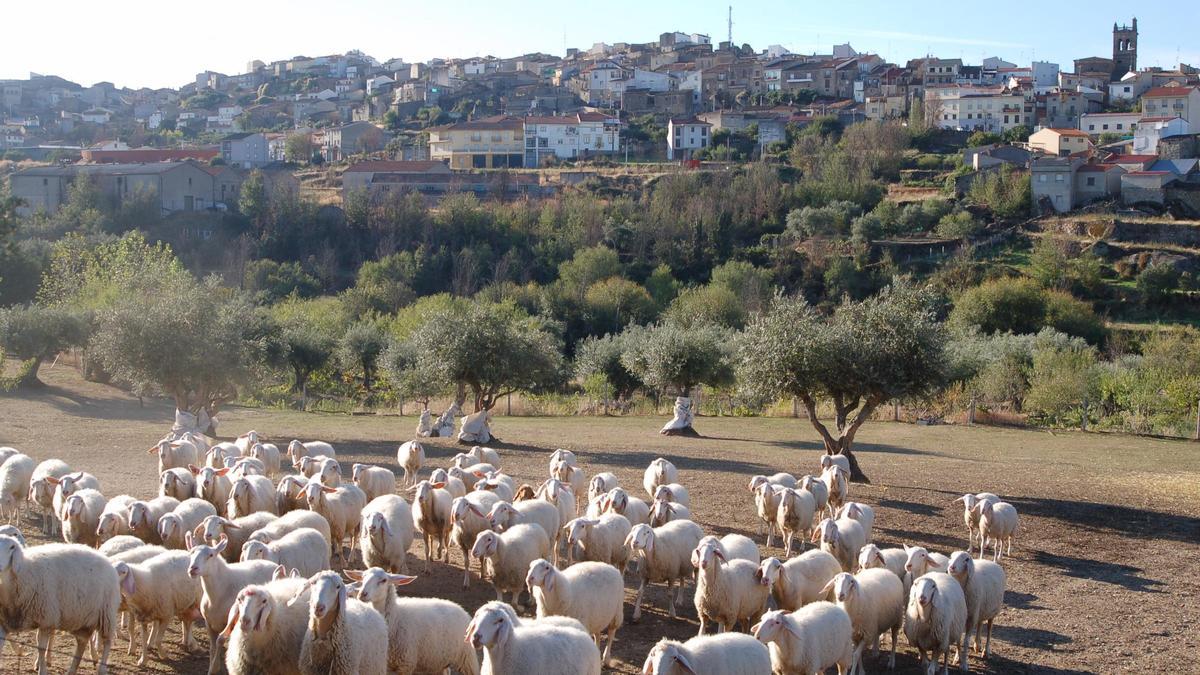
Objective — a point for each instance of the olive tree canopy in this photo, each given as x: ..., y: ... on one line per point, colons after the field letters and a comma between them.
x: 886, y: 347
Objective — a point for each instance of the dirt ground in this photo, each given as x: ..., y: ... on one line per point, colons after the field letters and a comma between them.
x: 1103, y: 573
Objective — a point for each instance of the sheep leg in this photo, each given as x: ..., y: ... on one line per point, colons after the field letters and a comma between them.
x: 466, y: 571
x: 770, y: 531
x: 637, y: 603
x: 428, y: 550
x: 216, y: 660
x: 160, y: 629
x: 892, y: 658
x: 188, y: 638
x: 859, y: 647
x: 105, y: 647
x: 43, y: 647
x: 612, y: 635
x: 703, y: 623
x: 81, y: 643
x: 987, y: 648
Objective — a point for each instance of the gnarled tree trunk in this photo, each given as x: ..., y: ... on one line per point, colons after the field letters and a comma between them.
x: 848, y: 417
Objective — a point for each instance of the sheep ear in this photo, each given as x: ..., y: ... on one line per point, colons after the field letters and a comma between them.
x: 281, y: 573
x: 439, y: 485
x: 792, y: 628
x: 470, y: 629
x: 327, y: 489
x: 194, y: 469
x: 220, y: 547
x: 52, y: 480
x: 127, y: 585
x: 222, y: 471
x: 685, y: 663
x: 188, y: 540
x: 826, y: 589
x: 355, y: 575
x: 235, y: 613
x: 299, y: 592
x: 152, y: 451
x: 401, y: 579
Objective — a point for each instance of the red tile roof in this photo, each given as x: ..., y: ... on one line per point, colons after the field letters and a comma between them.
x: 148, y: 155
x: 1070, y: 132
x: 1097, y: 168
x: 1156, y: 92
x: 1158, y: 119
x: 1149, y: 173
x: 1131, y: 159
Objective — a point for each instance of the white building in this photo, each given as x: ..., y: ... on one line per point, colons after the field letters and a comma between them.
x: 1045, y: 74
x: 1130, y: 87
x: 570, y: 137
x: 685, y: 136
x: 1096, y: 124
x: 964, y: 108
x: 1152, y: 129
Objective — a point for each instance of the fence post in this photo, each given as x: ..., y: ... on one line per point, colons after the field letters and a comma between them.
x: 606, y: 399
x: 795, y: 407
x: 895, y: 411
x: 971, y: 412
x: 1085, y: 413
x: 1197, y: 434
x: 508, y: 403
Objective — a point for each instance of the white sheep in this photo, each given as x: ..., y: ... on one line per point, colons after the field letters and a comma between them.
x: 422, y: 632
x: 808, y: 641
x: 502, y: 485
x: 159, y: 590
x: 574, y: 477
x: 329, y: 472
x: 411, y: 458
x: 431, y: 516
x: 452, y: 484
x: 342, y: 507
x: 178, y: 483
x: 289, y: 494
x: 121, y: 543
x: 874, y: 599
x: 212, y: 485
x: 217, y: 454
x: 921, y: 562
x: 562, y: 456
x: 732, y: 546
x: 781, y: 479
x: 599, y: 540
x: 81, y: 517
x: 304, y: 549
x: 296, y: 449
x: 533, y: 511
x: 510, y: 553
x: 843, y: 538
x: 114, y: 519
x: 247, y: 466
x: 971, y: 515
x: 839, y: 460
x: 275, y: 528
x: 175, y: 454
x: 477, y: 469
x: 345, y: 635
x: 864, y: 514
x: 590, y: 592
x: 6, y: 452
x: 727, y: 591
x: 561, y: 496
x: 800, y: 580
x: 673, y: 492
x: 660, y: 472
x: 635, y: 509
x: 935, y: 620
x: 468, y: 517
x: 15, y: 476
x: 664, y: 556
x: 484, y: 455
x: 998, y: 523
x: 726, y: 654
x: 264, y: 632
x: 766, y: 504
x: 890, y: 559
x: 837, y: 483
x: 600, y: 484
x: 58, y: 587
x: 663, y: 511
x: 373, y: 480
x: 819, y: 490
x: 41, y: 491
x: 246, y: 442
x: 220, y: 583
x: 268, y: 454
x: 511, y: 647
x: 174, y: 526
x: 250, y: 494
x: 308, y: 466
x: 237, y: 531
x: 386, y: 533
x: 70, y: 484
x: 983, y: 583
x: 794, y: 517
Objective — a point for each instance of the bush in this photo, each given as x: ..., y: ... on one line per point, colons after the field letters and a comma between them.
x: 958, y: 225
x: 1021, y: 306
x: 982, y: 138
x: 1060, y: 380
x: 1005, y: 191
x: 831, y: 220
x: 38, y: 333
x: 1157, y: 282
x: 271, y: 281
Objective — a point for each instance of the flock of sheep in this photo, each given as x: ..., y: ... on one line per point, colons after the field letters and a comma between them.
x: 251, y: 558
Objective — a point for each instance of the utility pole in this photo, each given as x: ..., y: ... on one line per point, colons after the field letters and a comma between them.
x: 730, y: 34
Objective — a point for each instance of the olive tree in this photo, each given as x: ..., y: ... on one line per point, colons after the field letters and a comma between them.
x: 194, y: 341
x: 487, y: 349
x: 411, y: 378
x: 305, y: 349
x: 38, y: 333
x: 866, y: 353
x: 600, y: 358
x: 671, y: 357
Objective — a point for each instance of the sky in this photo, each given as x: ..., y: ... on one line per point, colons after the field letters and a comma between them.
x: 163, y: 44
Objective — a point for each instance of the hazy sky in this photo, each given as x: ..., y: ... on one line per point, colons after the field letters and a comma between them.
x: 155, y: 43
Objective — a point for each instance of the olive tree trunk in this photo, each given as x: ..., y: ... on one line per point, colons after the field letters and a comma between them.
x: 848, y: 417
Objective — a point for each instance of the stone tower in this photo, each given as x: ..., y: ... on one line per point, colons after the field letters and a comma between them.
x: 1124, y: 49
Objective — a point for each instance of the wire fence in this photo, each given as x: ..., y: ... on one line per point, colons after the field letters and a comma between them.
x: 64, y: 656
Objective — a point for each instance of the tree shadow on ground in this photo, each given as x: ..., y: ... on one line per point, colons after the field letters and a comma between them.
x: 1125, y: 576
x: 1018, y: 600
x: 1128, y: 521
x: 79, y: 405
x: 915, y: 508
x: 944, y: 543
x: 1000, y: 664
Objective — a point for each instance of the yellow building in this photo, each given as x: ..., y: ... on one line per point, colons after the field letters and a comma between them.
x: 1060, y: 142
x: 487, y: 143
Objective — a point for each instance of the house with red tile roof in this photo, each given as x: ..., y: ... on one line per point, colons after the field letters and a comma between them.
x: 1173, y: 101
x: 1060, y: 142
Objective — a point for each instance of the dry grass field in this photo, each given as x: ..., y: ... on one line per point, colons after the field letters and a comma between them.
x: 1103, y: 573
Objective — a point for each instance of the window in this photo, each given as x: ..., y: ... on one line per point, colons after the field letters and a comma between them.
x: 1091, y: 127
x: 45, y: 182
x: 1120, y: 125
x: 1105, y: 126
x: 1058, y: 178
x: 1091, y: 181
x: 1042, y: 178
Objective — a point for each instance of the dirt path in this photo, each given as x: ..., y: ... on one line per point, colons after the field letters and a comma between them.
x: 1102, y: 577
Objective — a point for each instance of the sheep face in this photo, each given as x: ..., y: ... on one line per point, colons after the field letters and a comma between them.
x: 757, y: 481
x: 107, y: 527
x: 843, y: 586
x: 491, y: 627
x: 922, y: 594
x: 41, y: 491
x: 641, y: 538
x: 769, y: 570
x: 870, y: 556
x: 204, y: 557
x: 961, y: 566
x: 12, y: 553
x: 577, y: 529
x: 250, y: 611
x: 617, y: 500
x: 772, y: 626
x: 168, y: 526
x: 124, y: 578
x: 295, y: 450
x: 439, y: 476
x: 706, y: 555
x: 501, y: 516
x: 918, y: 559
x: 826, y: 533
x: 314, y: 495
x: 326, y: 602
x: 330, y: 471
x: 254, y: 550
x: 486, y: 544
x: 541, y: 573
